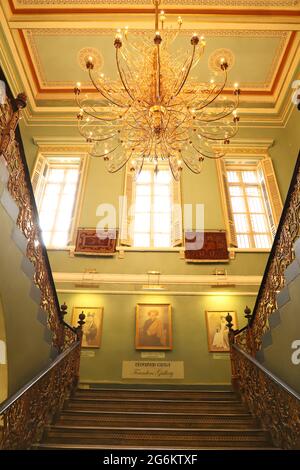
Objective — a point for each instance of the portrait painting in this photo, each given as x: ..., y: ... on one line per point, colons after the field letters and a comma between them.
x: 92, y: 329
x: 217, y: 331
x: 153, y: 327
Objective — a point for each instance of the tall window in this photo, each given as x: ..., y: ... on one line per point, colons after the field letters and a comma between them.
x: 55, y: 182
x: 154, y: 209
x: 252, y: 202
x: 249, y: 210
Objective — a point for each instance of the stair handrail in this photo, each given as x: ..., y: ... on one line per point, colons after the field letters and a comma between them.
x: 25, y: 414
x: 281, y: 255
x: 20, y: 188
x: 268, y: 398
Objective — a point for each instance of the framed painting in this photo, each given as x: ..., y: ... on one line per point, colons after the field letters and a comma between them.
x: 217, y: 331
x: 153, y: 327
x: 92, y: 329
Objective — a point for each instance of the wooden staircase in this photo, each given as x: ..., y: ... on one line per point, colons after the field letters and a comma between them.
x: 154, y: 419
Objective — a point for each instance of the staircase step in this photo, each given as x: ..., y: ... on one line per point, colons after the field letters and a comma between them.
x: 157, y: 394
x: 155, y: 437
x: 184, y: 420
x: 58, y: 446
x: 127, y: 404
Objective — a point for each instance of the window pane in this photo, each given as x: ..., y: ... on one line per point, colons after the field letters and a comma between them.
x: 255, y: 204
x: 142, y: 222
x: 47, y: 220
x: 162, y: 190
x: 56, y: 175
x: 72, y: 176
x: 235, y: 191
x: 249, y: 176
x: 163, y: 177
x: 63, y: 221
x: 262, y: 241
x: 232, y: 176
x: 49, y: 203
x: 162, y: 223
x: 162, y: 240
x: 144, y: 177
x: 143, y: 190
x: 162, y: 204
x: 143, y: 204
x: 243, y: 241
x: 238, y: 204
x: 60, y: 239
x: 252, y: 191
x: 69, y: 189
x: 52, y: 190
x: 259, y: 223
x: 141, y: 240
x: 241, y: 223
x: 66, y: 204
x: 46, y: 237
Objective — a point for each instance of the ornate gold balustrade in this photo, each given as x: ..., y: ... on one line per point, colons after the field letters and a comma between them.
x: 23, y: 416
x: 19, y: 186
x: 281, y: 255
x: 270, y: 400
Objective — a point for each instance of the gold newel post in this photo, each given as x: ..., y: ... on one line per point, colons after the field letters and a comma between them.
x: 79, y: 332
x: 231, y: 337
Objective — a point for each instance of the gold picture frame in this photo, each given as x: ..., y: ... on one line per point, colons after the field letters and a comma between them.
x: 92, y: 329
x: 217, y: 331
x: 153, y: 326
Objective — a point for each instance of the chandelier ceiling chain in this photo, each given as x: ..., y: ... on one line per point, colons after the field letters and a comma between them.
x: 156, y: 110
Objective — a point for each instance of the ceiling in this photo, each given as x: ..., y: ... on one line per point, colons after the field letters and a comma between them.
x: 42, y: 41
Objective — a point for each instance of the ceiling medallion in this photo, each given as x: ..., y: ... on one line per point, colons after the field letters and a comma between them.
x: 158, y: 110
x: 86, y: 52
x: 216, y: 57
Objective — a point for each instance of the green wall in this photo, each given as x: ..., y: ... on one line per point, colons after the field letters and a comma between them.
x: 189, y: 335
x: 28, y: 348
x: 204, y: 188
x: 3, y: 365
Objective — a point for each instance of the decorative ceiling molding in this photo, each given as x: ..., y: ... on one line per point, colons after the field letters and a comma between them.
x: 202, y: 3
x: 279, y: 60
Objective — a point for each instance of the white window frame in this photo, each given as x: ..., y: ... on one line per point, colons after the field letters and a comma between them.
x: 127, y: 218
x: 255, y: 159
x: 44, y: 155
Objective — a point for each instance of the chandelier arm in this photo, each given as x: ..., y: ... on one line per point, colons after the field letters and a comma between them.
x: 216, y: 96
x: 229, y: 136
x: 196, y: 172
x: 144, y: 116
x: 181, y: 75
x: 94, y: 116
x: 102, y: 93
x: 187, y: 72
x: 120, y: 167
x: 176, y: 177
x: 121, y: 75
x: 235, y: 105
x: 84, y: 135
x: 105, y: 153
x: 137, y: 82
x: 158, y: 97
x: 200, y: 152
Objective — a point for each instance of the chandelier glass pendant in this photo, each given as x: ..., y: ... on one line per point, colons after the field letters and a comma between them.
x: 156, y: 111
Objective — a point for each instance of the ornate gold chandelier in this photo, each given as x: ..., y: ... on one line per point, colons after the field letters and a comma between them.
x: 157, y: 111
